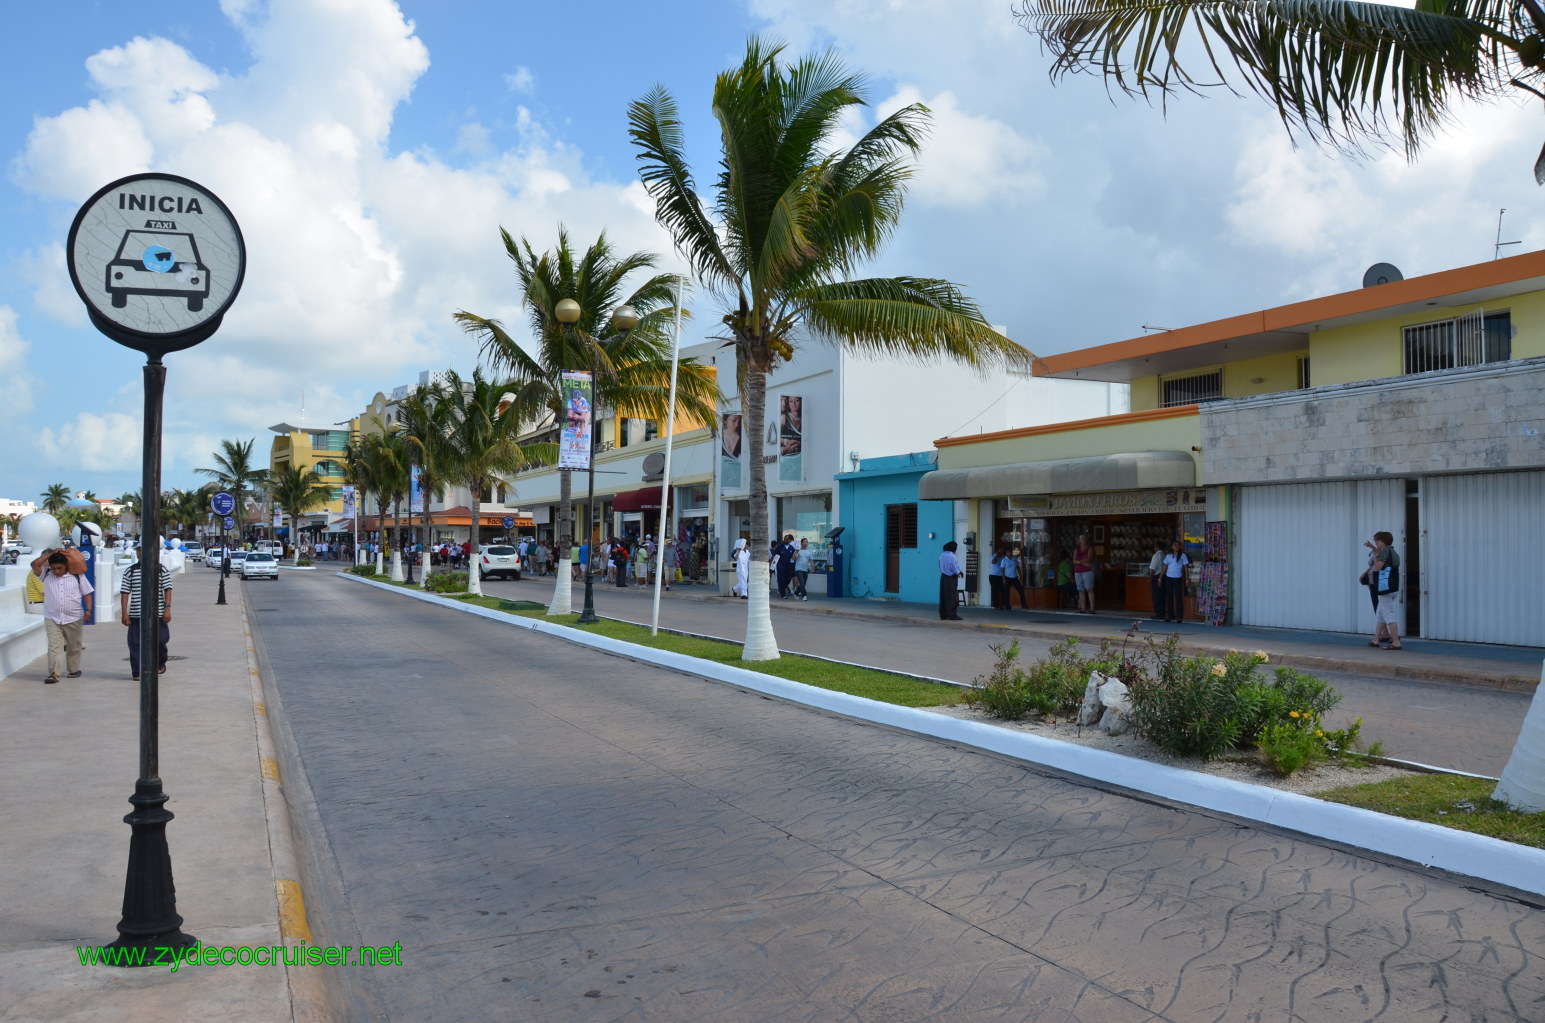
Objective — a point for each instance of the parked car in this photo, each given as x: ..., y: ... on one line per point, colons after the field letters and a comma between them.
x: 193, y: 549
x: 259, y: 565
x: 237, y: 557
x: 214, y: 557
x: 499, y: 560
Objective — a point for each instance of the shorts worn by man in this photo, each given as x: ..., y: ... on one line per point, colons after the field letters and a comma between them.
x: 66, y: 606
x: 129, y: 605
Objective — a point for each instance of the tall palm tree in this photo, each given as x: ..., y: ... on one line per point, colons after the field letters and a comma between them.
x: 298, y: 491
x: 235, y: 472
x: 385, y: 465
x: 426, y: 428
x: 1343, y: 72
x: 483, y: 422
x: 791, y: 219
x: 635, y: 365
x: 54, y: 498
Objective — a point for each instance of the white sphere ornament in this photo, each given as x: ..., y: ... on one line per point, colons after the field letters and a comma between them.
x: 84, y: 529
x: 38, y: 530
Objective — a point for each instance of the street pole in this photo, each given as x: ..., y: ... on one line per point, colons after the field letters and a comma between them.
x: 665, y: 482
x: 150, y: 919
x: 588, y: 615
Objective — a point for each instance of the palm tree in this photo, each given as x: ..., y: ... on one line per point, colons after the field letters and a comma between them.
x: 298, y: 491
x: 234, y: 471
x: 54, y: 498
x: 384, y: 463
x: 426, y: 428
x: 634, y: 364
x: 1343, y: 72
x: 791, y: 220
x: 483, y: 422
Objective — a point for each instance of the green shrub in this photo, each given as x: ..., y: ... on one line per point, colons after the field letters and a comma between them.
x: 367, y: 570
x: 1003, y: 692
x: 1053, y: 686
x: 447, y: 582
x: 1288, y: 746
x: 302, y: 562
x: 1191, y: 707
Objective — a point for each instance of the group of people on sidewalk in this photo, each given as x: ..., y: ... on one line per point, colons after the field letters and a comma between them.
x: 68, y: 602
x: 791, y: 565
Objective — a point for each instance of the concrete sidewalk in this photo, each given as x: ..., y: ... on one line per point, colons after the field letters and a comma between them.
x: 1511, y: 669
x: 70, y: 759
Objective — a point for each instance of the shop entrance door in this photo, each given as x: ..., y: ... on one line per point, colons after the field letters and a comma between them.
x: 900, y: 531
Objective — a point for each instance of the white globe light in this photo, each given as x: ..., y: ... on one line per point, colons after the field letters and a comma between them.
x: 82, y: 529
x: 38, y: 530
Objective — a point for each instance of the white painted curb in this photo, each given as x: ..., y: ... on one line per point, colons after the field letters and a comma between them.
x: 1458, y: 852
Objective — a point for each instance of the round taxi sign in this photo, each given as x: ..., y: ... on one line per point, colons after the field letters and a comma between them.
x: 509, y: 523
x: 228, y: 522
x: 222, y: 503
x: 157, y: 259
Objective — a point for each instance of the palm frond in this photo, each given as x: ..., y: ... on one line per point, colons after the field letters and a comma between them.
x: 1340, y: 71
x: 655, y: 128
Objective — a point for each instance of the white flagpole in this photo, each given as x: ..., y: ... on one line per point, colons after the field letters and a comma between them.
x: 665, y: 482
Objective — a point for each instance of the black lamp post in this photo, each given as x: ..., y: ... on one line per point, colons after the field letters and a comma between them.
x: 624, y: 318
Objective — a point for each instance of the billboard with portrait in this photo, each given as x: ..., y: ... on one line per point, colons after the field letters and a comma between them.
x: 574, y: 437
x: 791, y: 438
x: 731, y: 441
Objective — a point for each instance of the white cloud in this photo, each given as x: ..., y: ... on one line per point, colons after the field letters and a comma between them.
x: 16, y: 383
x: 522, y: 81
x: 93, y: 442
x: 967, y: 159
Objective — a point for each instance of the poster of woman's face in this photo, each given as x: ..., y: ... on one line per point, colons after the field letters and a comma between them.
x: 791, y: 426
x: 729, y: 435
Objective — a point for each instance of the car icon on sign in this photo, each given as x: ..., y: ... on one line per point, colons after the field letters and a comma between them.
x: 158, y: 263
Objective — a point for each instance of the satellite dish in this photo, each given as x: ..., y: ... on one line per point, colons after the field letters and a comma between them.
x: 1381, y: 273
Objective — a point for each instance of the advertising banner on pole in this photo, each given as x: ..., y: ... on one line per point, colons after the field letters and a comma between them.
x: 730, y: 443
x: 416, y: 493
x: 791, y: 438
x: 348, y: 500
x: 278, y: 516
x: 578, y: 403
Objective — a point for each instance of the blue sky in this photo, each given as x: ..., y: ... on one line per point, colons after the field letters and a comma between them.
x: 371, y: 150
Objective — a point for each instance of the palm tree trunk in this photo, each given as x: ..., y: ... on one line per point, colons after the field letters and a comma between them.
x: 563, y: 583
x: 761, y: 644
x: 1523, y: 779
x: 474, y: 569
x: 396, y: 575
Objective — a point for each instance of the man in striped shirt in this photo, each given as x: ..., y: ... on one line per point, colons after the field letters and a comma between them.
x: 129, y: 605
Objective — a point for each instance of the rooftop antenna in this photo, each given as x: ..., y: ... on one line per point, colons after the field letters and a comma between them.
x: 1496, y: 251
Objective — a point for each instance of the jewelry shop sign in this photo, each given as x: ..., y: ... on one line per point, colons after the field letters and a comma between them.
x: 1120, y: 502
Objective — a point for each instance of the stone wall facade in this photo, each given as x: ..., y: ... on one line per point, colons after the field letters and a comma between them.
x: 1476, y: 419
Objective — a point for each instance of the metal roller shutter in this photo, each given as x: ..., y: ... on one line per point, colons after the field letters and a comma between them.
x: 1483, y: 555
x: 1299, y: 548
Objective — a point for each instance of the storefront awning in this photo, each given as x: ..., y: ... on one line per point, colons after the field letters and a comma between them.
x: 637, y: 500
x: 1129, y: 470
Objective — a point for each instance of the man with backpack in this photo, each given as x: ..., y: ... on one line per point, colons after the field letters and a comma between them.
x: 129, y: 601
x: 66, y: 606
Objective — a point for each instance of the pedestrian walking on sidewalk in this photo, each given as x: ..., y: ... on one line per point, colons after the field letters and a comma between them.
x: 1012, y: 582
x: 66, y: 606
x: 1156, y: 580
x: 1175, y: 563
x: 802, y: 562
x: 949, y: 584
x: 1084, y: 560
x: 742, y: 556
x: 129, y: 608
x: 1384, y: 581
x: 995, y: 580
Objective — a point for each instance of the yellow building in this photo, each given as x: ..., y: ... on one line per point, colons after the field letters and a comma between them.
x: 322, y: 449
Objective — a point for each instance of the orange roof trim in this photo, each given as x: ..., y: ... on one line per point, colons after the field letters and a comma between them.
x: 1120, y: 419
x: 1299, y: 314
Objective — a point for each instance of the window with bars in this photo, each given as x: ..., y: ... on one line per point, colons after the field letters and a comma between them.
x: 900, y: 526
x: 1303, y: 372
x: 1475, y: 338
x: 1192, y: 389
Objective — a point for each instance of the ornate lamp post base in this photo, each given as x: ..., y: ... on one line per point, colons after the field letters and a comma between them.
x: 150, y: 918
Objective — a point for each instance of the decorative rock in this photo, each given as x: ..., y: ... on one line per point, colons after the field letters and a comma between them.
x: 1118, y: 704
x: 1090, y: 710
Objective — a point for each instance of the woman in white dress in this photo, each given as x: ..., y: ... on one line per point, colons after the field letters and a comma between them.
x: 742, y: 587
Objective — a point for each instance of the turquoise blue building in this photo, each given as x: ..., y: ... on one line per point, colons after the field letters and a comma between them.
x: 891, y: 540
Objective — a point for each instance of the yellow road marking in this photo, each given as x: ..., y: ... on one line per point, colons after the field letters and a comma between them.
x: 292, y: 911
x: 270, y: 768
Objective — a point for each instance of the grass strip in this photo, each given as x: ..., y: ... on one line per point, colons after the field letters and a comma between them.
x: 1464, y: 804
x: 870, y: 683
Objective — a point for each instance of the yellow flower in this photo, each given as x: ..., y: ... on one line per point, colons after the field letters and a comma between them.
x: 1319, y: 734
x: 1219, y: 670
x: 1293, y: 714
x: 1260, y: 655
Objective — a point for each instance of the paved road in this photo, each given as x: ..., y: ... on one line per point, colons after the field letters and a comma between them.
x: 1450, y: 726
x: 554, y: 834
